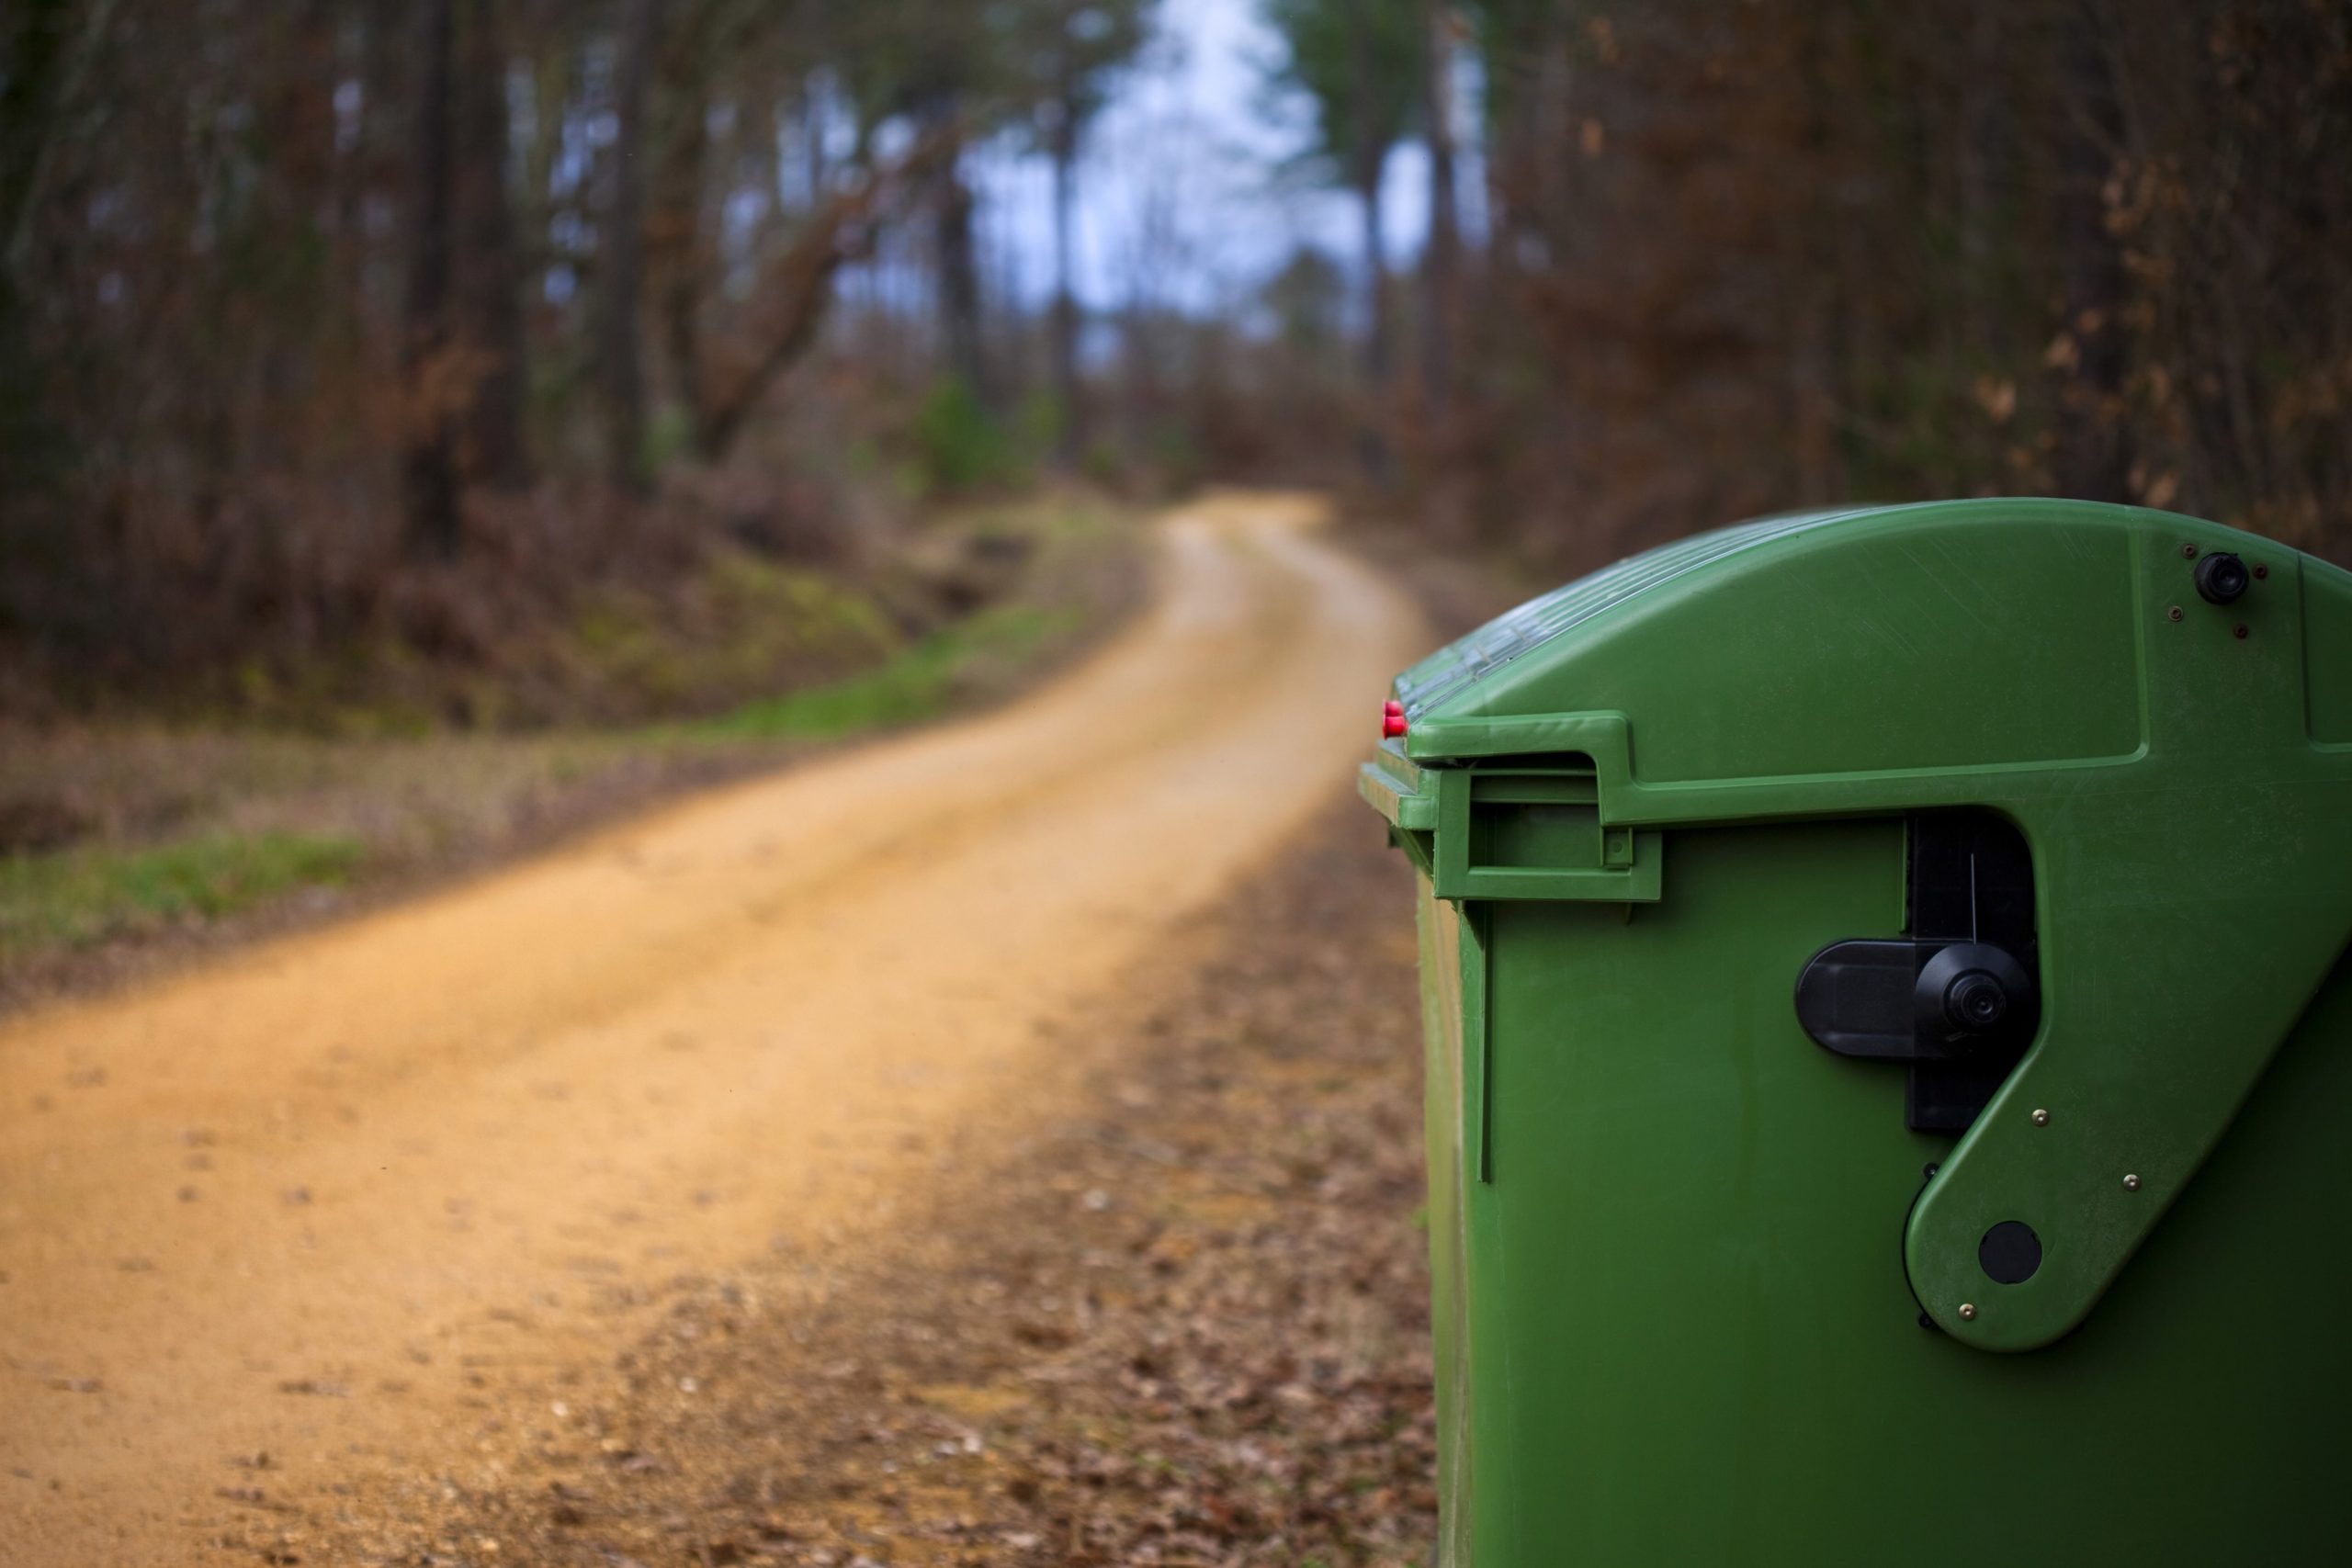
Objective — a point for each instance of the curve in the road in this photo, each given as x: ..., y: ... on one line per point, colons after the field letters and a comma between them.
x: 294, y: 1203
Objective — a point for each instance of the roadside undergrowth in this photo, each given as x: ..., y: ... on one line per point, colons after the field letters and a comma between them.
x: 128, y: 842
x: 84, y: 896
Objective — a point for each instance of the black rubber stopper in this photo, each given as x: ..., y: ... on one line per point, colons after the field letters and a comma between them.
x: 2009, y: 1253
x: 2221, y: 578
x: 1976, y: 1001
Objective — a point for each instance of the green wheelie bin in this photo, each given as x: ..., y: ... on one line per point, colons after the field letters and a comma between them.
x: 1890, y: 1047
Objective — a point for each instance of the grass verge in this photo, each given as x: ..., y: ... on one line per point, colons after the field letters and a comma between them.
x: 86, y: 896
x: 920, y: 682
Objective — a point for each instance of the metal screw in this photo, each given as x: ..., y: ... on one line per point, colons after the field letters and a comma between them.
x: 2130, y: 1184
x: 2172, y: 613
x: 2189, y: 552
x: 1967, y: 1311
x: 2261, y: 571
x: 2238, y: 631
x: 2041, y: 1118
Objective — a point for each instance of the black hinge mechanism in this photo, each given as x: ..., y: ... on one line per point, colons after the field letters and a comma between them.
x: 1957, y: 1000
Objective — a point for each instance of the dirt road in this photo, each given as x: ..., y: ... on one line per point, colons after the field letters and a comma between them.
x: 299, y: 1203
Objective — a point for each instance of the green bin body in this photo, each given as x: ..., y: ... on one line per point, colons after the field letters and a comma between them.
x: 1890, y: 1047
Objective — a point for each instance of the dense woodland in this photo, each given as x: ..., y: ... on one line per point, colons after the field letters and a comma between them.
x: 326, y: 321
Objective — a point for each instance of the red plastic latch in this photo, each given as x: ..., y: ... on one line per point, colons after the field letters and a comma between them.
x: 1392, y: 719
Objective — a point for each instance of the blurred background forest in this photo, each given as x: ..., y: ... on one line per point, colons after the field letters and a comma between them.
x: 359, y: 335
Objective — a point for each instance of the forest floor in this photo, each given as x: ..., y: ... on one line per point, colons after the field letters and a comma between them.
x: 1180, y: 1319
x: 129, y: 845
x: 993, y: 1144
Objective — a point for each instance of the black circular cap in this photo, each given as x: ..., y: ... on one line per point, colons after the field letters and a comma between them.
x: 2011, y: 1253
x: 1976, y: 1001
x: 2221, y: 578
x: 1969, y: 995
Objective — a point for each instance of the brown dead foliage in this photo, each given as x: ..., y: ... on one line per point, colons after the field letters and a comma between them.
x: 1183, y: 1323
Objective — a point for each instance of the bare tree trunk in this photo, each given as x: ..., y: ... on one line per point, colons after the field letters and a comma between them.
x: 1809, y: 246
x: 676, y: 242
x: 1069, y: 437
x: 495, y: 449
x: 1512, y: 109
x: 2091, y: 462
x: 33, y: 107
x: 368, y: 153
x: 959, y: 284
x: 35, y: 103
x: 1441, y: 264
x: 817, y: 168
x: 554, y: 87
x: 799, y: 287
x: 1369, y: 160
x: 1376, y: 332
x: 1983, y: 156
x: 435, y: 529
x: 618, y: 364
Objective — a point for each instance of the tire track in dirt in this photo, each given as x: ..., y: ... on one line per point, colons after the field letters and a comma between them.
x: 303, y: 1202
